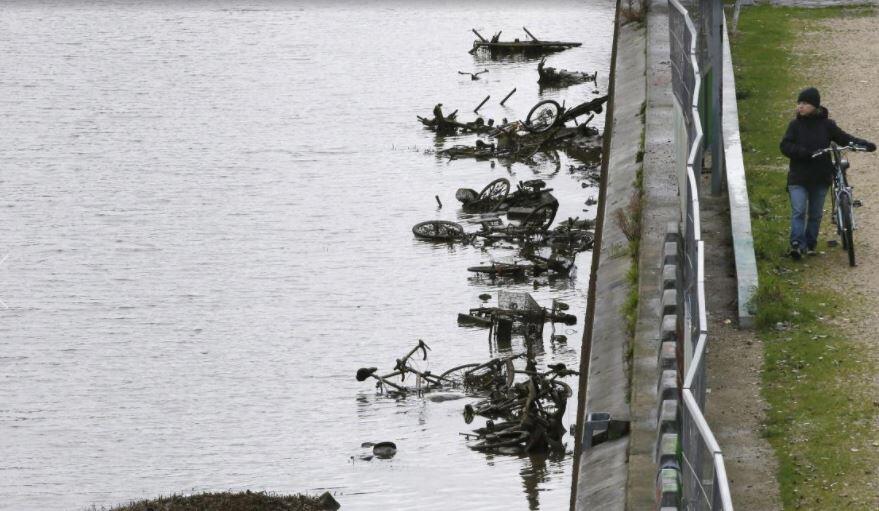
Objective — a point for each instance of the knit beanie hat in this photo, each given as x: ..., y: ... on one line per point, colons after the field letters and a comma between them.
x: 810, y: 96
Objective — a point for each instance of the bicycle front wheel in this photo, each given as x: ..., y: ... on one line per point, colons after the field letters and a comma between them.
x: 847, y: 228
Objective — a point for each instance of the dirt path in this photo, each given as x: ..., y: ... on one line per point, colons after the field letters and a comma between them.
x: 736, y: 410
x: 849, y: 81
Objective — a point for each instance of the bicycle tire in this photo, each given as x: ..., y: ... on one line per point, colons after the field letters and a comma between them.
x: 541, y: 218
x: 441, y: 230
x: 543, y: 116
x: 848, y: 239
x: 448, y: 376
x: 495, y: 193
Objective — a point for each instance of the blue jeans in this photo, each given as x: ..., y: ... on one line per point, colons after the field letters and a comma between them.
x: 807, y: 208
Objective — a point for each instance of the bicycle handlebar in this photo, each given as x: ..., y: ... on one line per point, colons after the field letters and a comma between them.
x: 841, y: 149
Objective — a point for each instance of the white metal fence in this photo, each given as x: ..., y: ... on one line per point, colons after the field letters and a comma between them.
x: 704, y: 481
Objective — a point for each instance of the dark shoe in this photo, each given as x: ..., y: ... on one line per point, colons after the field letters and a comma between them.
x: 811, y: 252
x: 796, y: 253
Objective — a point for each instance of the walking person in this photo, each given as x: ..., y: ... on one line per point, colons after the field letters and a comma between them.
x: 808, y: 178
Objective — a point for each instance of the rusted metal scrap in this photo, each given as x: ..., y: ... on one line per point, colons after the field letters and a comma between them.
x: 473, y: 76
x: 518, y: 308
x: 534, y: 46
x: 529, y: 403
x: 513, y: 142
x: 449, y: 124
x: 496, y: 196
x: 531, y: 413
x: 550, y: 76
x: 424, y: 379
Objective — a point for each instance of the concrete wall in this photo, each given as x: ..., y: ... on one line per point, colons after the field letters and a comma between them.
x: 636, y: 380
x: 661, y: 206
x: 601, y: 471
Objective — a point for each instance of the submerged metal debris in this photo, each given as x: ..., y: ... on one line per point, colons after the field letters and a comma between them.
x: 552, y: 77
x: 497, y: 48
x: 516, y: 312
x: 449, y: 124
x: 530, y: 402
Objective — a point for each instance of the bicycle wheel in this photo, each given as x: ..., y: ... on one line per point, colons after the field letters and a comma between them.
x: 541, y: 218
x: 543, y: 116
x: 847, y: 227
x: 455, y: 376
x: 441, y: 230
x: 493, y: 195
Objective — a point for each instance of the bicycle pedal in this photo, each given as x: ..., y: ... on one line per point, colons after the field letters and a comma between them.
x: 857, y: 203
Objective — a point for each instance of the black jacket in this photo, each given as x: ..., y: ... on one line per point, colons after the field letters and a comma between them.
x: 804, y: 136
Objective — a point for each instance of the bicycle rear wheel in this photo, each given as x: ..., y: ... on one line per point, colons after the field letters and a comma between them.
x: 494, y: 194
x: 847, y: 228
x: 543, y: 116
x: 457, y: 375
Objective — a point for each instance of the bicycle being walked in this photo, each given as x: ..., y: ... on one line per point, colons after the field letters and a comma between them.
x: 813, y: 167
x: 842, y: 198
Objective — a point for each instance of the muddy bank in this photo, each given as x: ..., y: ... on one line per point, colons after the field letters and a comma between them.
x: 243, y: 501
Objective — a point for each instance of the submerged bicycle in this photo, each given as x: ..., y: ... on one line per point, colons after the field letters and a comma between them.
x: 548, y: 114
x: 842, y: 197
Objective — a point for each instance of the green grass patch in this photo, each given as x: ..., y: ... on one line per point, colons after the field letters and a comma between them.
x: 629, y: 222
x: 821, y: 418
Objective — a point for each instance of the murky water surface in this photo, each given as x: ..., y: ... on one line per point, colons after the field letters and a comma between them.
x: 206, y: 212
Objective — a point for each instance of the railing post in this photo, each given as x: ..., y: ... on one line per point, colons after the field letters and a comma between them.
x: 715, y: 52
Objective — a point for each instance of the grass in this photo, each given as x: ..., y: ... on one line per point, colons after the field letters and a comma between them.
x: 629, y: 222
x: 226, y: 501
x: 821, y: 416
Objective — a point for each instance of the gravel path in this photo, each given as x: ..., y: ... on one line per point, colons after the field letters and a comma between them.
x: 736, y: 410
x: 849, y: 81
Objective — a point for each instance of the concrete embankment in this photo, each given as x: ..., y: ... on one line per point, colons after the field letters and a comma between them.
x: 622, y: 370
x: 601, y: 470
x: 660, y: 206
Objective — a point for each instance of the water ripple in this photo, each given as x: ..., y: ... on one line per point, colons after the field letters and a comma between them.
x: 208, y: 210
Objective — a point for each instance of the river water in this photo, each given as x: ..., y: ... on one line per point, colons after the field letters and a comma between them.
x: 205, y: 224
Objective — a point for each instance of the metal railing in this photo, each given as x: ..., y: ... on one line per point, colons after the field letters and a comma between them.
x: 704, y: 481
